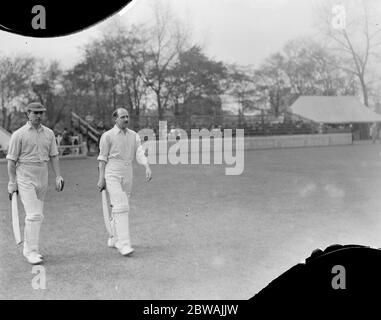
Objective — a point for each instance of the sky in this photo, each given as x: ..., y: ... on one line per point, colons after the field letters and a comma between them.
x: 233, y: 31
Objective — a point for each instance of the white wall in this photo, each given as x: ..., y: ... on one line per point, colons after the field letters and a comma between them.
x: 272, y: 142
x: 292, y: 141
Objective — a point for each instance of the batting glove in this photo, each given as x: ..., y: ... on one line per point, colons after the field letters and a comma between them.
x: 59, y: 183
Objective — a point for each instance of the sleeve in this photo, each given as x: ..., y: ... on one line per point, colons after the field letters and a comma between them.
x: 104, y: 148
x: 53, y: 146
x: 140, y: 155
x: 14, y: 147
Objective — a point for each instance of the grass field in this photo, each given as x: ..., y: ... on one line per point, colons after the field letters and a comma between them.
x: 199, y: 234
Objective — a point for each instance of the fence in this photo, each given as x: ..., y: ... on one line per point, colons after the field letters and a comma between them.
x: 77, y: 146
x: 188, y: 122
x: 264, y: 129
x: 254, y: 125
x: 65, y: 150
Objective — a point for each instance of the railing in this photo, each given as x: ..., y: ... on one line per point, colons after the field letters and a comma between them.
x: 86, y: 128
x: 70, y: 150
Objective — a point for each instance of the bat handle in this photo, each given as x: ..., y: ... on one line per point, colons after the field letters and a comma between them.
x: 11, y: 194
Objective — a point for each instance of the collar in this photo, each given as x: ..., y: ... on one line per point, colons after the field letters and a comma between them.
x: 29, y: 126
x: 116, y: 130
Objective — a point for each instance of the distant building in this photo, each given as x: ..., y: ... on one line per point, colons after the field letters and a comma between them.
x: 333, y: 110
x: 336, y: 113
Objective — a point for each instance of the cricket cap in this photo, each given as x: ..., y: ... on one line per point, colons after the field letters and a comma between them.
x: 35, y: 106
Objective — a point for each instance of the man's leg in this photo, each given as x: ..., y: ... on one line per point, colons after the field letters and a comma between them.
x: 120, y: 214
x: 33, y: 220
x: 32, y: 184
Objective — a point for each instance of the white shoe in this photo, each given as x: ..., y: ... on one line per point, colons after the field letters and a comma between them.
x: 38, y: 254
x: 111, y: 242
x: 126, y: 250
x: 33, y: 257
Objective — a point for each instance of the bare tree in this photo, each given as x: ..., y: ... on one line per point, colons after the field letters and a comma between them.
x: 355, y: 36
x: 167, y: 38
x: 313, y: 70
x: 273, y: 82
x: 125, y: 49
x: 243, y: 87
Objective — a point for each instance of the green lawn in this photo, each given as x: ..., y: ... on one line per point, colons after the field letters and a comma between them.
x: 199, y: 234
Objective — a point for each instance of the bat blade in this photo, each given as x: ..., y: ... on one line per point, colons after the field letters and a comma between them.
x: 106, y: 212
x: 15, y: 219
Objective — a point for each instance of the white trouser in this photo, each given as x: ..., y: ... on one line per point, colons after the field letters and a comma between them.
x: 32, y: 183
x: 118, y: 177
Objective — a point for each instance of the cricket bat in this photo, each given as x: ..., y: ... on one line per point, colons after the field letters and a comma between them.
x: 106, y: 212
x: 15, y: 218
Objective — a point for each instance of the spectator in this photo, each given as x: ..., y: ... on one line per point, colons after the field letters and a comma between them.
x: 65, y: 141
x: 58, y: 138
x: 374, y: 132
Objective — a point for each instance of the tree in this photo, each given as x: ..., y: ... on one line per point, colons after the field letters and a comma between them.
x: 76, y: 89
x: 273, y: 83
x: 355, y: 37
x: 243, y: 87
x: 313, y: 70
x: 47, y: 88
x: 112, y: 67
x: 15, y: 82
x: 166, y: 39
x: 197, y: 83
x: 303, y: 67
x: 126, y: 52
x: 99, y: 72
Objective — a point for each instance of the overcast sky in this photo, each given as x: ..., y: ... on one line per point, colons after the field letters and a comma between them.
x: 241, y: 31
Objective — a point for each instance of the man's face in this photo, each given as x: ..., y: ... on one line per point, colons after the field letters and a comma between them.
x: 122, y: 120
x: 35, y: 117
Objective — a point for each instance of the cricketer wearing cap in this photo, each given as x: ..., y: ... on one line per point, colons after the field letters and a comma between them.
x: 30, y: 149
x: 117, y: 150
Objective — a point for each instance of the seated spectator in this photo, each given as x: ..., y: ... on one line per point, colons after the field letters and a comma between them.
x: 65, y: 137
x: 66, y: 141
x: 58, y: 139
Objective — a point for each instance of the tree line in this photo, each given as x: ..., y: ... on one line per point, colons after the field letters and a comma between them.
x: 156, y: 70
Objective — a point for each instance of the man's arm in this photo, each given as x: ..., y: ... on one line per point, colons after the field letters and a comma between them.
x: 101, y: 180
x: 104, y: 151
x: 13, y: 153
x: 53, y: 153
x: 55, y: 165
x: 56, y: 169
x: 12, y: 185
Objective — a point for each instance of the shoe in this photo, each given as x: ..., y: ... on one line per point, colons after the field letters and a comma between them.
x: 38, y: 254
x: 111, y: 242
x: 126, y: 250
x: 33, y: 257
